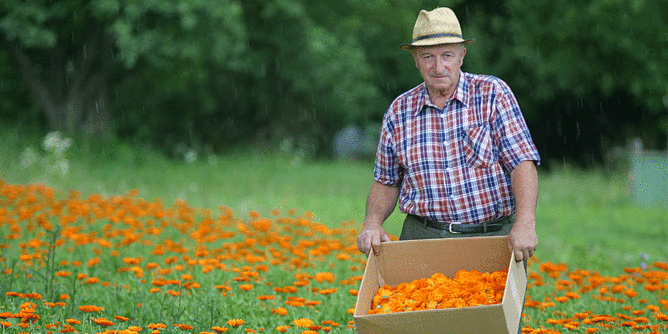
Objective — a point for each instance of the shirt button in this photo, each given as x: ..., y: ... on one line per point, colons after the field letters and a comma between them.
x: 452, y: 197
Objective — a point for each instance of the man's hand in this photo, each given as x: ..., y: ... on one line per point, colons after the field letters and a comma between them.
x: 523, y: 240
x: 370, y: 238
x: 379, y: 205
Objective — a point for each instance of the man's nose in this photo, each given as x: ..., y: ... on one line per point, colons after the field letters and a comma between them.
x: 441, y: 64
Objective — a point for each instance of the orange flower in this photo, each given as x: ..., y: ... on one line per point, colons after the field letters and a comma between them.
x: 466, y: 288
x: 183, y: 327
x: 121, y: 318
x: 282, y: 329
x: 90, y: 308
x: 235, y: 322
x: 103, y: 322
x: 246, y: 287
x: 219, y: 329
x: 280, y: 311
x: 303, y: 322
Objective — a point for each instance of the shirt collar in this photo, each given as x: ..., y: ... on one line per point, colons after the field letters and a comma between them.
x: 461, y: 94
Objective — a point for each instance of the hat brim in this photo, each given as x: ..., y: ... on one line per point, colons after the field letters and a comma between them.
x: 436, y: 41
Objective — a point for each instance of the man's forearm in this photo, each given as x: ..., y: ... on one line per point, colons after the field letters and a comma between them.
x: 381, y: 203
x: 524, y: 180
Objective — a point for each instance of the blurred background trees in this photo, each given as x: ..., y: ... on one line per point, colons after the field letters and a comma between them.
x: 219, y: 74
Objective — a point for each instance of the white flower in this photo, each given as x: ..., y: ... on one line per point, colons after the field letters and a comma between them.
x: 190, y: 156
x: 28, y: 157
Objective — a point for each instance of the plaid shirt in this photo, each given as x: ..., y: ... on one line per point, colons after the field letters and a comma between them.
x: 453, y: 165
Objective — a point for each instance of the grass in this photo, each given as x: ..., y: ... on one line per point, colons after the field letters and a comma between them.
x: 583, y: 217
x: 585, y: 220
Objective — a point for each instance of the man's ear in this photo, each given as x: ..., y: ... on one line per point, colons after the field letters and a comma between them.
x: 461, y: 57
x: 415, y: 57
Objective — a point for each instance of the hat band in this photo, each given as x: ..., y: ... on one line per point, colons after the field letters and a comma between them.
x: 436, y: 36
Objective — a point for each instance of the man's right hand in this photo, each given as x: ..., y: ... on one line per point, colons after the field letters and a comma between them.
x: 370, y: 238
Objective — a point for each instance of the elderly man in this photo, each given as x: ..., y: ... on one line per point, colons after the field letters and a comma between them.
x: 454, y: 151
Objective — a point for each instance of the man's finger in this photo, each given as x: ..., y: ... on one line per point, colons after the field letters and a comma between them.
x: 519, y: 256
x: 375, y: 244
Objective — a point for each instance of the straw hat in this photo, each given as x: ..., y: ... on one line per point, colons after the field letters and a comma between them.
x: 439, y: 26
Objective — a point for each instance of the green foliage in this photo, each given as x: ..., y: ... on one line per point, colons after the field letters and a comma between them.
x: 214, y: 74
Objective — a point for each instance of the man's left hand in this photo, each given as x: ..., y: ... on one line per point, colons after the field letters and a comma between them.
x: 523, y: 239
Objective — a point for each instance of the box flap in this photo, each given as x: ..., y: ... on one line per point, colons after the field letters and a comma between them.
x: 513, y: 295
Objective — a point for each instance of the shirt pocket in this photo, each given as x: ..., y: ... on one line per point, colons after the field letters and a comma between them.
x: 478, y: 147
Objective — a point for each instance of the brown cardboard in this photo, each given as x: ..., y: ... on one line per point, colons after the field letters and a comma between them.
x: 405, y: 261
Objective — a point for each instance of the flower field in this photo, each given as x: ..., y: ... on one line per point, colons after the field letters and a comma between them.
x: 122, y: 264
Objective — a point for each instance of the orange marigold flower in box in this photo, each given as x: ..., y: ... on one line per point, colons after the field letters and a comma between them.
x: 266, y: 297
x: 103, y: 322
x: 353, y: 292
x: 246, y: 287
x: 303, y: 322
x: 219, y: 329
x: 73, y: 321
x: 121, y: 318
x: 5, y: 324
x: 282, y: 329
x: 309, y: 332
x: 183, y: 327
x: 235, y: 322
x: 328, y: 291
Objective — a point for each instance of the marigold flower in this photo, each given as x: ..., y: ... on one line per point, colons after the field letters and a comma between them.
x: 246, y: 287
x: 93, y: 261
x: 157, y: 326
x: 282, y: 329
x: 235, y: 322
x: 90, y: 308
x: 280, y: 311
x: 121, y: 318
x: 62, y: 273
x: 183, y: 327
x: 103, y: 322
x: 303, y: 322
x: 219, y: 329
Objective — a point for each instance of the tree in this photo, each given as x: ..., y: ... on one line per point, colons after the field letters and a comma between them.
x: 70, y: 52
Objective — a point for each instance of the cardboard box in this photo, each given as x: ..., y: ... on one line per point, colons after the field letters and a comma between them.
x: 405, y: 261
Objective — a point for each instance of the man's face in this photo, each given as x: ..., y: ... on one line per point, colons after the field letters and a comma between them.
x: 440, y: 66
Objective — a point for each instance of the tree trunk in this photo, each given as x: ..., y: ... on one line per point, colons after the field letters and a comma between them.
x: 74, y: 95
